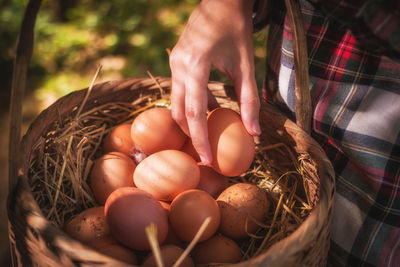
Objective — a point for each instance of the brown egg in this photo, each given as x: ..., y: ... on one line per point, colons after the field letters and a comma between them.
x: 165, y: 205
x: 100, y: 243
x: 172, y: 238
x: 240, y: 205
x: 111, y: 171
x: 217, y: 249
x: 169, y: 254
x: 167, y: 173
x: 155, y: 130
x: 189, y: 149
x: 188, y: 212
x: 231, y: 145
x: 89, y: 226
x: 117, y: 251
x: 129, y: 210
x: 211, y: 181
x: 119, y: 140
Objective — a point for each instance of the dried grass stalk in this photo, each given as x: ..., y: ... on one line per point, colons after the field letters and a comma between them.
x: 60, y: 169
x: 64, y: 156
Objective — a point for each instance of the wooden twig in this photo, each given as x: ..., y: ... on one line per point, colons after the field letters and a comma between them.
x: 21, y: 62
x: 193, y: 242
x: 151, y: 232
x: 301, y: 79
x: 96, y: 75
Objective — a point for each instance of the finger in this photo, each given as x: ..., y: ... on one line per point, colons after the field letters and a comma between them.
x: 178, y: 103
x: 246, y: 89
x: 178, y: 95
x: 196, y: 108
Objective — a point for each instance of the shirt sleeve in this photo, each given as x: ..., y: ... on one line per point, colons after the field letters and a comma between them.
x: 375, y: 23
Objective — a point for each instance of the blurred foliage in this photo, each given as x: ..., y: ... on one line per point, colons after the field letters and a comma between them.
x: 72, y: 37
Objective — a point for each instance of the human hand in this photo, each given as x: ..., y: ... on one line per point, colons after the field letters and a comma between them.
x: 218, y: 34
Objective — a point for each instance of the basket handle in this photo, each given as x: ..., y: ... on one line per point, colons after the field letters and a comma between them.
x: 21, y: 62
x: 301, y: 78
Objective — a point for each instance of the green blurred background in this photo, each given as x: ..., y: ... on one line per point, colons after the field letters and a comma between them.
x: 72, y: 37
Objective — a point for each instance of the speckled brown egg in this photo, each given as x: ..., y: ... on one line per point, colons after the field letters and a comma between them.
x: 242, y: 205
x: 89, y: 226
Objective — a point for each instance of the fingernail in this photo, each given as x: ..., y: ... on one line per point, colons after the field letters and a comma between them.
x: 256, y: 127
x: 205, y: 160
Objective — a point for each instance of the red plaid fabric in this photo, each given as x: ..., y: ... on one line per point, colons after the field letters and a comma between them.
x: 354, y: 52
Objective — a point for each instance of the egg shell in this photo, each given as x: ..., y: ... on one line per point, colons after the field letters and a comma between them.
x: 165, y: 205
x: 129, y: 210
x: 110, y: 172
x: 89, y: 226
x: 189, y: 149
x: 167, y: 173
x: 169, y: 254
x: 119, y: 252
x: 242, y: 204
x: 154, y: 130
x: 100, y: 243
x: 217, y: 249
x: 188, y: 212
x: 172, y: 238
x: 211, y: 181
x: 231, y: 145
x: 119, y: 140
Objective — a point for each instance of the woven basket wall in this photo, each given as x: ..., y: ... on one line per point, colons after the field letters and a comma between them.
x: 38, y: 242
x: 35, y: 241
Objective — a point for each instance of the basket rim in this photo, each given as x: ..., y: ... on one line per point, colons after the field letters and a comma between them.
x: 315, y: 221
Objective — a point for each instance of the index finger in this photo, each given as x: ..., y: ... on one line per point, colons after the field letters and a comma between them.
x: 196, y: 100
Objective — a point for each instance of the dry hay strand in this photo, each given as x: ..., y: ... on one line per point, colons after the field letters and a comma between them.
x: 62, y: 160
x: 283, y: 177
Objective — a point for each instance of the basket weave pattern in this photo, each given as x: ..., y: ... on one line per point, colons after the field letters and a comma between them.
x: 37, y: 241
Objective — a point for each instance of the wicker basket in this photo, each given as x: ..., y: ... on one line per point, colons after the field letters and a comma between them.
x: 35, y: 241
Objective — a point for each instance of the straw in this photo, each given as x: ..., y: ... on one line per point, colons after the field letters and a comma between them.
x: 59, y: 172
x: 151, y: 232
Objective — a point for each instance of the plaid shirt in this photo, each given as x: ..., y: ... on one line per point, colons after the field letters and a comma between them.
x: 354, y: 67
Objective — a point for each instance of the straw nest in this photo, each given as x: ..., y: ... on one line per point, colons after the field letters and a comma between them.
x: 61, y: 164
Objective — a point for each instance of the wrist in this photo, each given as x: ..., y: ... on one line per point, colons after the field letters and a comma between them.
x: 244, y: 5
